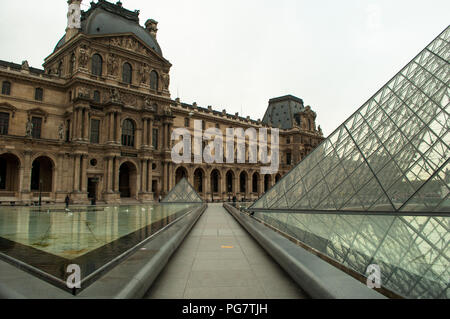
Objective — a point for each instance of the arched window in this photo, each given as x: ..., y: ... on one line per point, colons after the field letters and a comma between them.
x: 154, y: 80
x: 127, y: 73
x: 128, y: 133
x: 97, y: 65
x: 6, y: 88
x: 97, y: 96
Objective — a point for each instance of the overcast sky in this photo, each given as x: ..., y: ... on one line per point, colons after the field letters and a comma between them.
x: 237, y: 54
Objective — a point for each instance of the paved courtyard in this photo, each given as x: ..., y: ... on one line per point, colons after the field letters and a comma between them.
x: 220, y: 260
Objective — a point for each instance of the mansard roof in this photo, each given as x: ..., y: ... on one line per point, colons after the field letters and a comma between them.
x: 104, y: 18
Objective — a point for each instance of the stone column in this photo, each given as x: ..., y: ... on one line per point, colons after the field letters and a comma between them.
x: 79, y: 124
x: 150, y: 132
x: 118, y: 130
x: 163, y: 179
x: 86, y: 124
x: 59, y: 186
x: 84, y: 173
x: 109, y: 180
x: 149, y: 176
x: 26, y: 180
x: 144, y: 176
x: 145, y: 133
x: 249, y: 186
x: 110, y: 127
x: 76, y: 173
x: 116, y: 174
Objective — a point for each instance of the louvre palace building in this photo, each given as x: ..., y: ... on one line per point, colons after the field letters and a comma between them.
x: 96, y: 122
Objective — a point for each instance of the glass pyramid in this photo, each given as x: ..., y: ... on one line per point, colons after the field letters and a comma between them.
x: 183, y: 192
x: 377, y: 190
x: 391, y: 155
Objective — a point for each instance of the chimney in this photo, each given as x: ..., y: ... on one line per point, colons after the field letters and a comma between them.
x: 152, y: 27
x: 73, y: 19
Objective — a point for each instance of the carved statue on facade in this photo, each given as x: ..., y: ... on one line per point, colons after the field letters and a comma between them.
x: 166, y: 80
x: 61, y: 131
x: 112, y: 65
x: 83, y: 57
x: 167, y: 110
x: 143, y: 71
x: 320, y: 131
x: 84, y: 92
x: 25, y: 65
x: 115, y: 95
x: 29, y: 128
x: 148, y: 106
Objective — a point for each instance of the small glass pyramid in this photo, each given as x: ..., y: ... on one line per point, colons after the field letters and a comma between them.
x: 183, y: 192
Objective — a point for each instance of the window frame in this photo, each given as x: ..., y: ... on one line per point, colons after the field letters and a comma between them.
x: 155, y: 140
x: 36, y: 134
x: 128, y: 133
x: 96, y: 130
x: 97, y: 69
x: 154, y: 82
x: 127, y: 77
x: 39, y: 94
x: 6, y: 88
x: 4, y: 131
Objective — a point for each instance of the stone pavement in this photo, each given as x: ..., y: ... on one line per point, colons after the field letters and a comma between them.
x: 220, y: 260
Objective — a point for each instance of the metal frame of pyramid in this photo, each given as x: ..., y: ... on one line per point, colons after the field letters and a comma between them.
x: 377, y: 190
x: 183, y: 192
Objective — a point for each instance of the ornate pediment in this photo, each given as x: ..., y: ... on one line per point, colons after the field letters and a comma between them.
x: 38, y: 112
x: 5, y: 106
x: 132, y: 43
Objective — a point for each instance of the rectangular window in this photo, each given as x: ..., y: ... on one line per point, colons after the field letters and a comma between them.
x: 4, y: 123
x: 95, y: 131
x: 6, y: 88
x: 39, y: 94
x: 288, y: 159
x: 187, y: 122
x: 37, y: 126
x: 155, y: 139
x: 203, y: 125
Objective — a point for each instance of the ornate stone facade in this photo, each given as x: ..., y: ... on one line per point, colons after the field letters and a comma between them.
x: 83, y: 131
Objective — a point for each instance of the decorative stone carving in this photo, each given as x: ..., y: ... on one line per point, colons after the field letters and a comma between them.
x: 115, y: 95
x: 83, y: 57
x: 84, y: 92
x: 129, y: 99
x: 113, y: 65
x: 320, y: 131
x: 143, y: 72
x: 61, y: 131
x: 166, y: 80
x: 25, y: 66
x: 167, y: 110
x: 29, y: 128
x: 148, y: 106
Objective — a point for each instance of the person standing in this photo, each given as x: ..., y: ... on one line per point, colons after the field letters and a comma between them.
x: 67, y: 201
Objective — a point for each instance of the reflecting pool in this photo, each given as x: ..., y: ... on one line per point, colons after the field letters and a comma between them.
x: 49, y: 239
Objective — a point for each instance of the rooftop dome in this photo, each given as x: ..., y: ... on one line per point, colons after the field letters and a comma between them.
x: 106, y: 18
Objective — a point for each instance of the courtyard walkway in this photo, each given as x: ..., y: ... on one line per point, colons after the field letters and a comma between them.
x: 220, y: 260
